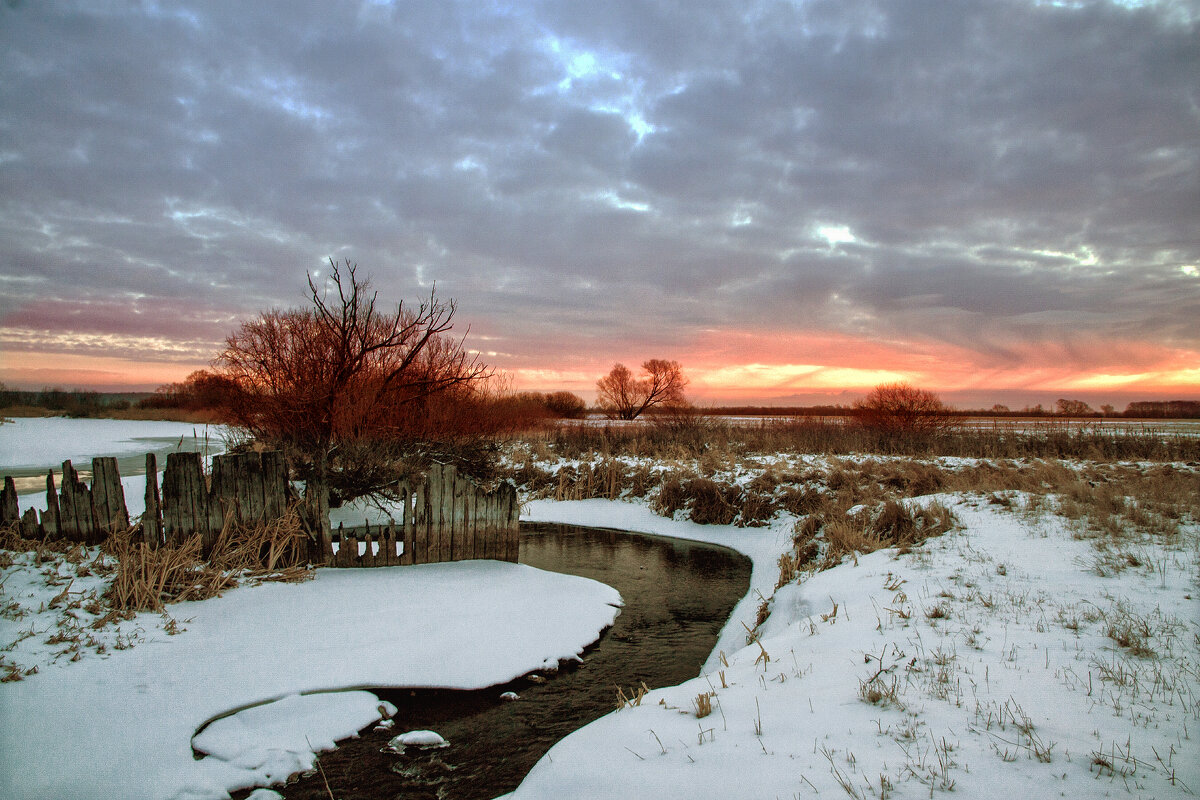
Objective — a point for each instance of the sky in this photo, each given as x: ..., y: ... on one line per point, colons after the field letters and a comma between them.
x: 994, y: 199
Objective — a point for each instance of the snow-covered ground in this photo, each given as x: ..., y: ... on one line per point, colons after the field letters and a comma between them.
x: 119, y: 723
x: 1007, y: 656
x: 993, y: 661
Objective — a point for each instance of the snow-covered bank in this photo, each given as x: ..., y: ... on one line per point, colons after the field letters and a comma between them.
x: 997, y: 660
x: 120, y: 724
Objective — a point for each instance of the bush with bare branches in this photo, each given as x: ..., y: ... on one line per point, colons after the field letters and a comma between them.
x: 623, y: 396
x: 893, y: 408
x: 346, y: 389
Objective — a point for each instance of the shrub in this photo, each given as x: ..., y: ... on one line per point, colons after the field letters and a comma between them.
x: 893, y: 408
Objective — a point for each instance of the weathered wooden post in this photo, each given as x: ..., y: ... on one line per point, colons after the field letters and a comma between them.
x: 76, y: 506
x: 50, y: 520
x: 433, y: 508
x: 30, y: 527
x: 275, y: 485
x: 185, y: 500
x: 108, y: 499
x: 152, y: 524
x: 316, y: 498
x: 406, y: 492
x: 10, y: 511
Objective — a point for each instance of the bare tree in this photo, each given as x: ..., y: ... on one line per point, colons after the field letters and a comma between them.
x: 1073, y: 408
x: 902, y: 408
x: 344, y: 387
x: 566, y: 405
x: 623, y: 396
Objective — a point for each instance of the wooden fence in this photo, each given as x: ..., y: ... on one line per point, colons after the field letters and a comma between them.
x: 444, y: 517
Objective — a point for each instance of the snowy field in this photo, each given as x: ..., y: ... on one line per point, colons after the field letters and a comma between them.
x: 1007, y: 656
x: 118, y: 722
x: 993, y: 661
x: 110, y: 711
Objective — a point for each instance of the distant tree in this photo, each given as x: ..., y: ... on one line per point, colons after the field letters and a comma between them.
x: 1167, y: 409
x: 1000, y: 408
x: 199, y: 390
x: 1073, y: 408
x: 566, y: 405
x: 1108, y: 410
x: 902, y: 408
x: 348, y: 390
x: 623, y: 396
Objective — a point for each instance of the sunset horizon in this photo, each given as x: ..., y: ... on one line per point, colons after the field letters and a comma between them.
x: 796, y: 201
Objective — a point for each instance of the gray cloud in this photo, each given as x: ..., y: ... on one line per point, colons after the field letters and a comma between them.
x: 615, y: 176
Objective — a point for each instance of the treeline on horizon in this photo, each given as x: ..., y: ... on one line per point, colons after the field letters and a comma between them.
x: 202, y: 392
x: 1140, y: 409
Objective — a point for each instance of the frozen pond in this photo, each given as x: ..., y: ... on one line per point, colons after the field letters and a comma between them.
x: 29, y: 446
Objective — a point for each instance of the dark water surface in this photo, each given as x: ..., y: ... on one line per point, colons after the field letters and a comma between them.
x: 677, y: 596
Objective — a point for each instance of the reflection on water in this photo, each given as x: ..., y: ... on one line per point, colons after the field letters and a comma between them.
x: 677, y: 597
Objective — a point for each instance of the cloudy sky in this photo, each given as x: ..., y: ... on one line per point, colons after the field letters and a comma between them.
x: 997, y: 199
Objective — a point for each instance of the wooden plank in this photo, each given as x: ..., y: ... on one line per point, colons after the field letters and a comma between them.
x: 448, y: 533
x: 68, y: 524
x: 485, y: 513
x: 446, y: 530
x: 109, y: 496
x: 514, y: 523
x: 185, y: 500
x: 316, y: 508
x: 468, y: 513
x: 502, y: 529
x: 433, y: 499
x: 418, y: 552
x: 254, y: 488
x: 455, y: 525
x: 219, y: 492
x: 442, y: 523
x: 100, y: 495
x: 29, y: 524
x: 274, y: 476
x: 77, y: 504
x: 245, y: 487
x: 10, y: 510
x: 50, y: 520
x: 406, y: 557
x: 170, y: 511
x: 152, y: 517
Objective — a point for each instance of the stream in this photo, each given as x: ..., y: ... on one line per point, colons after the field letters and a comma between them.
x: 678, y: 596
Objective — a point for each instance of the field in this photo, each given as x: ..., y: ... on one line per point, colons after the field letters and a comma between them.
x: 982, y: 611
x: 989, y: 611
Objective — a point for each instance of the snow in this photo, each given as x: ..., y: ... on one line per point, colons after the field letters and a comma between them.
x: 425, y: 740
x: 983, y: 663
x: 979, y: 663
x: 281, y: 738
x: 120, y: 724
x: 43, y: 442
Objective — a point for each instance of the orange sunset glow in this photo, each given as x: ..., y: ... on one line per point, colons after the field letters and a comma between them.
x: 796, y: 202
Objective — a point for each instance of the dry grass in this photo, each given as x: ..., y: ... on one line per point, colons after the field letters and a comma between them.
x: 147, y: 578
x: 716, y: 438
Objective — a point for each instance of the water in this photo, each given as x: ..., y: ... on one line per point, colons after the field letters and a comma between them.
x: 677, y: 596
